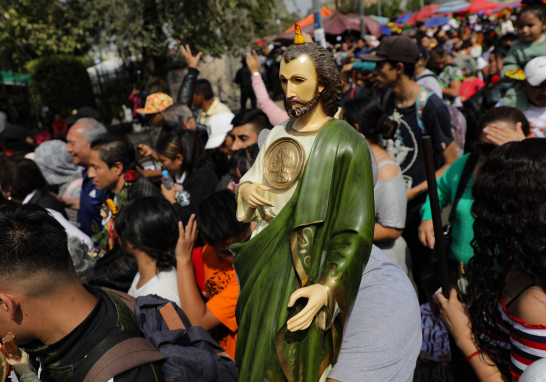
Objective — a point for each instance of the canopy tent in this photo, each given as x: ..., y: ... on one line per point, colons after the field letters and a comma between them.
x: 381, y: 20
x: 507, y: 4
x: 452, y: 6
x: 479, y: 5
x: 310, y: 19
x: 424, y: 13
x: 403, y: 18
x: 338, y: 23
x: 436, y: 21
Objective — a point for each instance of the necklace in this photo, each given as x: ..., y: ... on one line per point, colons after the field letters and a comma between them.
x: 149, y: 265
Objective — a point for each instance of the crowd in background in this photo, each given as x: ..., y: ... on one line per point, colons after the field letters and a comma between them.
x: 162, y: 225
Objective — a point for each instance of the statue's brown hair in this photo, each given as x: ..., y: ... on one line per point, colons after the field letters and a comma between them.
x: 327, y: 73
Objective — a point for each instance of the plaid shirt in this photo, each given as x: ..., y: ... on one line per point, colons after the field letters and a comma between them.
x: 143, y: 187
x: 114, y: 270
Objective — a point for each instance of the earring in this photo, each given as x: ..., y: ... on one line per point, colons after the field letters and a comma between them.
x: 9, y: 197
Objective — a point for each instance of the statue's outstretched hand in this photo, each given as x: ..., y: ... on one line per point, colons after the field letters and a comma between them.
x: 249, y: 192
x: 318, y: 297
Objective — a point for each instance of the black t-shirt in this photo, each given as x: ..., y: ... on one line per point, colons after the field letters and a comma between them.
x: 406, y: 147
x: 200, y: 184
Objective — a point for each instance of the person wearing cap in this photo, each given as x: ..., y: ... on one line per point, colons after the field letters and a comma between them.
x: 155, y: 104
x: 395, y: 66
x: 247, y: 125
x: 534, y: 88
x: 218, y: 129
x: 206, y: 102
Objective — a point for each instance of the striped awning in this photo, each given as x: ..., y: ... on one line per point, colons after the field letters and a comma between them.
x: 453, y: 6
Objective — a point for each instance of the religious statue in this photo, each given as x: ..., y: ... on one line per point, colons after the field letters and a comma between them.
x: 311, y: 193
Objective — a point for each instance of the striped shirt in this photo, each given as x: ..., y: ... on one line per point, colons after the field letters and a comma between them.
x: 520, y: 344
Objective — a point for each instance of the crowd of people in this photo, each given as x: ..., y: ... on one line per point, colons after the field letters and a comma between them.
x: 84, y: 224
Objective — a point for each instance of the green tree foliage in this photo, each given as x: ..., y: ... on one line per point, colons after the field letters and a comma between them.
x: 60, y: 83
x: 34, y: 28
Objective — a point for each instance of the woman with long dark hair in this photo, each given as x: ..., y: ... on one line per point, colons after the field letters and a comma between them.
x: 183, y: 155
x: 504, y: 327
x: 368, y: 118
x: 148, y: 231
x: 505, y: 117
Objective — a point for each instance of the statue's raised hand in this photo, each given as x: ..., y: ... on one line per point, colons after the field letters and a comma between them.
x: 318, y: 297
x: 249, y: 192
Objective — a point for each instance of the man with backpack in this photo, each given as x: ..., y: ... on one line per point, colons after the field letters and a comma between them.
x: 63, y: 325
x: 418, y: 112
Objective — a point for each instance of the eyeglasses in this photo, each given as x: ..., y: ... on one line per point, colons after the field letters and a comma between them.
x: 233, y: 183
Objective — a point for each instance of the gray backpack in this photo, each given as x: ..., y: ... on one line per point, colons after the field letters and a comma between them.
x: 186, y: 353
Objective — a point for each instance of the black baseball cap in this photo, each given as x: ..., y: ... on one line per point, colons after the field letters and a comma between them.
x: 395, y: 48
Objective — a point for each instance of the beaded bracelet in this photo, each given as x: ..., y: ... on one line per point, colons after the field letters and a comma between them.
x: 472, y: 355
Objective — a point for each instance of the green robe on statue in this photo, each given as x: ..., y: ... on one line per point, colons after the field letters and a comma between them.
x: 323, y: 235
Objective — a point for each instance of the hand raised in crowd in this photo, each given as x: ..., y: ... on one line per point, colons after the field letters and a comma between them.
x: 249, y: 192
x: 501, y: 134
x: 252, y: 62
x: 426, y: 233
x: 186, y: 240
x: 192, y: 61
x: 146, y: 151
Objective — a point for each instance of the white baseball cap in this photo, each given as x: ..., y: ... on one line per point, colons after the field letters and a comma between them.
x: 535, y: 71
x: 218, y: 128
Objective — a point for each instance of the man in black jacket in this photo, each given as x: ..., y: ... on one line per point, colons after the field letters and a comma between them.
x: 55, y: 319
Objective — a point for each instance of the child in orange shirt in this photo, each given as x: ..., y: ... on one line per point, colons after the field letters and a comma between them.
x: 219, y: 227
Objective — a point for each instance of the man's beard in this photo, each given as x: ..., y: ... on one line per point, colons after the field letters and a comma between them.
x: 300, y: 111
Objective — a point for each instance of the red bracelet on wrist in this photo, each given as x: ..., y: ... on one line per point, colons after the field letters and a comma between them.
x: 472, y: 355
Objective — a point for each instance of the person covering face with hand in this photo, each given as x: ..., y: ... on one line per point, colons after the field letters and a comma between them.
x: 310, y: 297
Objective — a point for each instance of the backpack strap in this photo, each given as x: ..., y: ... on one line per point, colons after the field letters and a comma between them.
x: 116, y: 354
x: 171, y: 317
x: 465, y: 177
x: 422, y: 98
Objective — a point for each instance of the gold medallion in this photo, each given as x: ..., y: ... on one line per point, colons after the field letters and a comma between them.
x: 283, y: 163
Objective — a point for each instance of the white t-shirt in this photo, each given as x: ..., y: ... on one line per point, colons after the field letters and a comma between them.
x: 164, y: 284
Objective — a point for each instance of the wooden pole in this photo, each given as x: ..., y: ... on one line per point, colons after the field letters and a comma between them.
x: 439, y: 244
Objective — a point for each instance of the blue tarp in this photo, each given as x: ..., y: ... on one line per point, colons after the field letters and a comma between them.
x: 402, y: 19
x: 436, y: 21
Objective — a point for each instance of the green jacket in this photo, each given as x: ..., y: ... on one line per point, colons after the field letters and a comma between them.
x: 519, y: 55
x: 322, y: 235
x: 462, y: 232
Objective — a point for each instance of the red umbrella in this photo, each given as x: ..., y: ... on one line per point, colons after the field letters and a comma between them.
x: 480, y: 5
x: 423, y: 14
x: 338, y: 23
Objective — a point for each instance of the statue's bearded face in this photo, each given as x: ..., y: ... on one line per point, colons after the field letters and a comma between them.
x: 299, y: 82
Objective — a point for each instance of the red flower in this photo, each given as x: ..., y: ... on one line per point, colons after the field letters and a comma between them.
x: 131, y: 176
